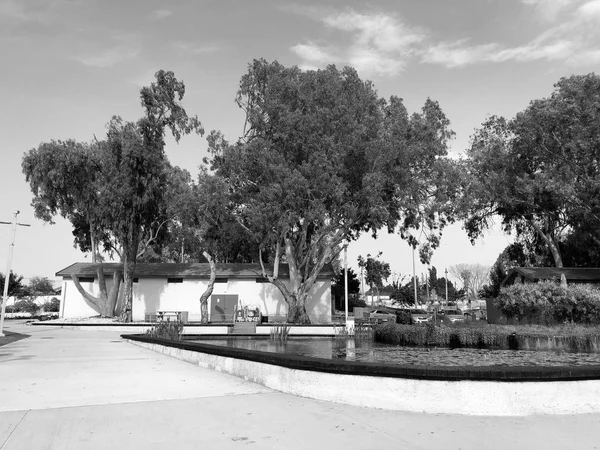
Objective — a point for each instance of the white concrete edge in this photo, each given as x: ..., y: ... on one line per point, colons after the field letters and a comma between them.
x: 193, y: 329
x: 479, y: 398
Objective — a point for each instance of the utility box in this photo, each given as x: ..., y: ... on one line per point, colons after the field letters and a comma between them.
x: 222, y: 307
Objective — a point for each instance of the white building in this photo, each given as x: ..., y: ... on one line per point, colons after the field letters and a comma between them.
x: 178, y: 287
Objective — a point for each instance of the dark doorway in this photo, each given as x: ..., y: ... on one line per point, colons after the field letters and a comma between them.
x: 222, y: 307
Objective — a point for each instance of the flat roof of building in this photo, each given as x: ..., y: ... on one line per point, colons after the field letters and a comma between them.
x: 182, y: 270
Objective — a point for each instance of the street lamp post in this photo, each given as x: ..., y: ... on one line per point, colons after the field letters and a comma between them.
x: 446, y: 273
x: 346, y: 283
x: 11, y: 246
x: 415, y: 278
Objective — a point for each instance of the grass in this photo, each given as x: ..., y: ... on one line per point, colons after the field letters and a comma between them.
x: 568, y: 337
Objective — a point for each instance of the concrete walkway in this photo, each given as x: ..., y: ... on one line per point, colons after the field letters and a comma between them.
x: 66, y: 389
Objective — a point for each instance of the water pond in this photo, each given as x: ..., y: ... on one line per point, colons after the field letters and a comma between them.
x: 368, y: 351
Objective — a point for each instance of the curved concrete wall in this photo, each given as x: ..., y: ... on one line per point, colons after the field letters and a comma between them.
x: 496, y: 398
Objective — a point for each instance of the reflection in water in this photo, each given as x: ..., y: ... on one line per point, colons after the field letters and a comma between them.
x: 369, y: 351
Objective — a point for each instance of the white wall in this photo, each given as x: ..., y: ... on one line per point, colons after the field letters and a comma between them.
x: 155, y: 294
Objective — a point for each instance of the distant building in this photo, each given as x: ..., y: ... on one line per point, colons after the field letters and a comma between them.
x: 371, y: 297
x: 534, y: 274
x: 178, y: 287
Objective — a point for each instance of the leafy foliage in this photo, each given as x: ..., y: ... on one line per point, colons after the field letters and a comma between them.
x: 166, y: 330
x: 113, y: 190
x: 376, y: 271
x: 547, y: 302
x: 26, y: 305
x: 40, y: 286
x: 539, y: 171
x: 52, y: 306
x: 338, y: 288
x: 15, y: 284
x: 323, y: 159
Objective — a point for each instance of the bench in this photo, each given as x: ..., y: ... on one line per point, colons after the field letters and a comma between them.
x: 175, y: 316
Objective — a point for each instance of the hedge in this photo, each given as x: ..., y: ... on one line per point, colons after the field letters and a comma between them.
x: 547, y: 303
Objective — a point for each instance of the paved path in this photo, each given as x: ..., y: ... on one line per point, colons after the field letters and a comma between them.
x: 67, y: 389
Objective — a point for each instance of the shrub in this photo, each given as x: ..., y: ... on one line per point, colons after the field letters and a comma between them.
x: 548, y: 303
x: 166, y: 330
x: 403, y: 317
x: 570, y: 337
x: 28, y: 306
x: 355, y: 302
x: 52, y: 306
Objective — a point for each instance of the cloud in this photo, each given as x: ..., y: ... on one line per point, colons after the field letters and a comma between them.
x: 160, y: 14
x: 574, y: 40
x: 380, y: 32
x: 380, y: 44
x: 184, y: 47
x: 109, y: 57
x: 312, y: 53
x: 589, y: 10
x: 550, y: 9
x: 457, y: 54
x: 124, y: 47
x: 44, y: 12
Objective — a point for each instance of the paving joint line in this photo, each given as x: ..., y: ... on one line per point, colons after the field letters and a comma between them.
x: 14, y: 429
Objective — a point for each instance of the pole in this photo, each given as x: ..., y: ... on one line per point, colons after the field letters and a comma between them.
x: 427, y: 286
x: 362, y: 284
x: 415, y: 278
x: 346, y: 282
x: 11, y: 246
x: 446, y: 272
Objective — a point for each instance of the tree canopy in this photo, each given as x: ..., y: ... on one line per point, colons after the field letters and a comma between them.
x: 15, y: 285
x: 376, y: 271
x: 540, y: 171
x: 323, y: 159
x: 112, y: 190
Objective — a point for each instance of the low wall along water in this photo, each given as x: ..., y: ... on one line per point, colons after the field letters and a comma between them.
x: 511, y: 391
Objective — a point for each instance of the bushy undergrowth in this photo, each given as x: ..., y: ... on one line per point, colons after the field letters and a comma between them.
x: 26, y: 305
x: 52, y: 306
x: 569, y: 337
x: 166, y: 330
x: 548, y: 303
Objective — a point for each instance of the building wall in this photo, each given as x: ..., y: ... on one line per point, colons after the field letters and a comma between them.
x: 155, y: 294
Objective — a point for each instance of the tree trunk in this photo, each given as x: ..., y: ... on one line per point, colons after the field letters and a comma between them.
x: 209, y: 289
x: 558, y: 262
x: 552, y: 244
x: 101, y: 302
x: 297, y: 309
x: 128, y: 268
x: 130, y: 252
x: 114, y: 292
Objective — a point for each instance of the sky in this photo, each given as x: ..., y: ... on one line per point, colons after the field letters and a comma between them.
x: 68, y: 66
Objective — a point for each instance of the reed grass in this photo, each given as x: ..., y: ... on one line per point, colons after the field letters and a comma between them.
x: 567, y: 337
x: 280, y: 332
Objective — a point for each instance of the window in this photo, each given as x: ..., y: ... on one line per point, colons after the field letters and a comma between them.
x: 174, y: 280
x: 86, y: 279
x: 262, y: 280
x: 136, y: 280
x: 221, y: 280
